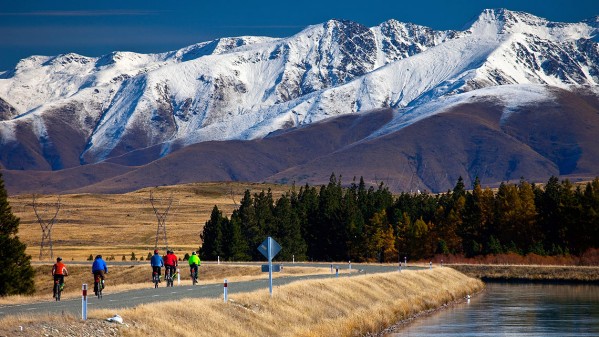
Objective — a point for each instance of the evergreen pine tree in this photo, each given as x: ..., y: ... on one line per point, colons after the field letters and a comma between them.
x: 249, y: 226
x: 16, y: 274
x: 289, y: 231
x: 212, y: 236
x: 237, y: 249
x: 306, y: 206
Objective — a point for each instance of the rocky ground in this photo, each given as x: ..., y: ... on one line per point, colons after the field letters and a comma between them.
x: 62, y: 328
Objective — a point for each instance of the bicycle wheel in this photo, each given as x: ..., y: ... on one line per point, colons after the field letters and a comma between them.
x: 58, y: 291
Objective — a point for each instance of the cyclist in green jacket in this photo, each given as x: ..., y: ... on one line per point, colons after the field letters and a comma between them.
x: 194, y: 263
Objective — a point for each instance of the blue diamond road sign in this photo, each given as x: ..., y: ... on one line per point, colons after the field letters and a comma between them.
x: 275, y: 248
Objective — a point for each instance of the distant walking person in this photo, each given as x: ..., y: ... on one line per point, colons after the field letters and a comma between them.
x: 157, y: 263
x: 99, y: 268
x: 59, y: 271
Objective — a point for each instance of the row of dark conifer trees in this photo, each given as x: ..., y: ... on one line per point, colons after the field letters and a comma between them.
x: 332, y: 223
x: 16, y: 273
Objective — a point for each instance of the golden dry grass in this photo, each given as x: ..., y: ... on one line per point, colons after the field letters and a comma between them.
x: 335, y: 307
x: 118, y: 224
x: 531, y: 272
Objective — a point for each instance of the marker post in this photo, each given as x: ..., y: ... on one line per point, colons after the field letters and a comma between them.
x: 84, y: 301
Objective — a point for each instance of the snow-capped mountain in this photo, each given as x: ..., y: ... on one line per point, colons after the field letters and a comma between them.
x: 248, y: 87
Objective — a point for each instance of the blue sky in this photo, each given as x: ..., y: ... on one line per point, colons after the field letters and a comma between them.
x: 94, y: 28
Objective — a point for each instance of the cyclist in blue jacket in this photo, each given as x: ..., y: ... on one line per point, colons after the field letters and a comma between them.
x: 157, y: 263
x: 99, y: 268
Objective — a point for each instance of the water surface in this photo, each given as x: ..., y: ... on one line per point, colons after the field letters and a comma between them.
x: 517, y: 310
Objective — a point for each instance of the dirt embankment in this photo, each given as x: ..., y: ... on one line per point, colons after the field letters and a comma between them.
x: 527, y: 273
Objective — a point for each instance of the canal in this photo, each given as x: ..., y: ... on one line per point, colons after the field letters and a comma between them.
x: 516, y: 310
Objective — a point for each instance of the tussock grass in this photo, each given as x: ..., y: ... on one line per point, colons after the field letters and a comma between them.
x: 118, y: 224
x: 536, y: 273
x: 335, y: 307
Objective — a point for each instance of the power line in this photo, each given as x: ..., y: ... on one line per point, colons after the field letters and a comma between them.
x: 161, y: 217
x: 46, y: 246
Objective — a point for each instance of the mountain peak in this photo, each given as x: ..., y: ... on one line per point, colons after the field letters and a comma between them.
x: 501, y: 20
x: 245, y: 87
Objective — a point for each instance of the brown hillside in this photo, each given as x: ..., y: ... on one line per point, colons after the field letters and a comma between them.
x: 481, y: 138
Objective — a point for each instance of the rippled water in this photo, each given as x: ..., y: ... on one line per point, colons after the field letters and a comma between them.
x: 517, y: 310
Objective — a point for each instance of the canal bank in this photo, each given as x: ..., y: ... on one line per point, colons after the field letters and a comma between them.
x: 530, y: 273
x: 344, y: 306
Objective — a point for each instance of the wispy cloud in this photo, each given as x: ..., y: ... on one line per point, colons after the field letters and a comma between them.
x: 86, y: 13
x: 265, y: 26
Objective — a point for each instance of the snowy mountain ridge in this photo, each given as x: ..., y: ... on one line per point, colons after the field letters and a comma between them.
x: 248, y: 87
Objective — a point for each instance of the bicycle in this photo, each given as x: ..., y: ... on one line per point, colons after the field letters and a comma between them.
x: 169, y: 277
x: 155, y: 279
x: 57, y: 289
x: 194, y: 275
x: 98, y: 286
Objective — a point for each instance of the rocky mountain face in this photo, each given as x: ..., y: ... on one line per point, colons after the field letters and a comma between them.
x: 71, y: 111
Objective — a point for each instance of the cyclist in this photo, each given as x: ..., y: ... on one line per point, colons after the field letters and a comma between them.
x: 99, y: 268
x: 59, y: 271
x: 156, y: 262
x: 170, y: 262
x: 194, y: 263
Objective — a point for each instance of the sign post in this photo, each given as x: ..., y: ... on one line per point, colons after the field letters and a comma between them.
x: 269, y: 248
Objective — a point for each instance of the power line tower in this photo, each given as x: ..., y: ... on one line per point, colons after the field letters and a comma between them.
x: 46, y: 225
x: 161, y: 216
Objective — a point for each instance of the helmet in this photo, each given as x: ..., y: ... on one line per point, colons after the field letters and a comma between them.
x: 98, y: 256
x: 58, y: 259
x: 193, y: 253
x: 155, y: 251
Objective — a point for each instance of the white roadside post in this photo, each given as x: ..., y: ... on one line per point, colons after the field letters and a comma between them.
x: 218, y: 259
x: 84, y: 301
x: 350, y: 265
x: 178, y: 277
x: 225, y: 291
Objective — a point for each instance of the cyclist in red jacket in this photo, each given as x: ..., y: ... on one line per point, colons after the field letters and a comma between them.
x: 59, y: 271
x: 170, y: 262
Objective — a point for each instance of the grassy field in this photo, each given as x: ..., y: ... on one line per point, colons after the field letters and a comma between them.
x: 119, y: 224
x: 533, y: 273
x: 351, y: 306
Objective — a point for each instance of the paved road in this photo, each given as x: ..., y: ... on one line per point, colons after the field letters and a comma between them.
x: 149, y: 294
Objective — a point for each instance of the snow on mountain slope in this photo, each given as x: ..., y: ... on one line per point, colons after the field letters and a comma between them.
x: 247, y: 87
x: 221, y: 96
